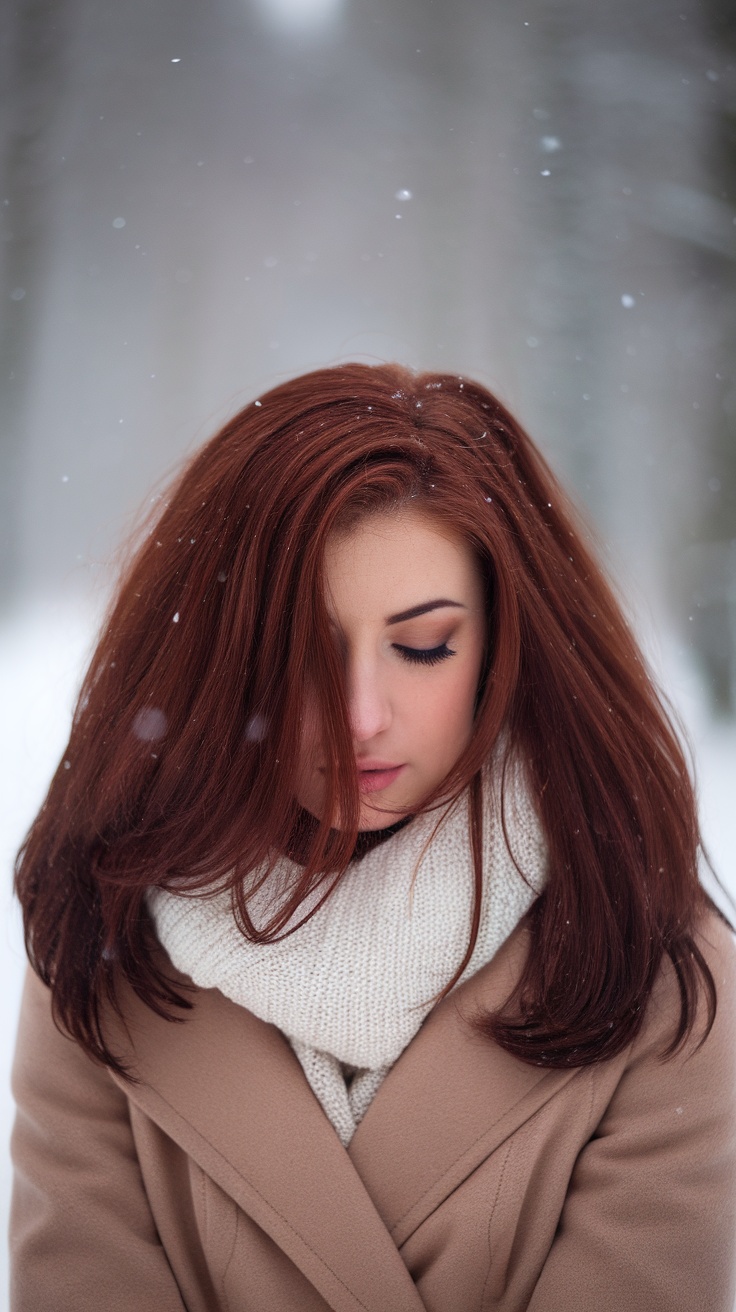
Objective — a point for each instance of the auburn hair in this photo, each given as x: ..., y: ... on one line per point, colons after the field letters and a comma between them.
x: 180, y: 768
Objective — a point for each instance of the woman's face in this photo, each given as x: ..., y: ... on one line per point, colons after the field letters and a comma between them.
x: 411, y: 679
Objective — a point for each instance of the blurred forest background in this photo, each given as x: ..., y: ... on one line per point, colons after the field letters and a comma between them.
x: 199, y: 200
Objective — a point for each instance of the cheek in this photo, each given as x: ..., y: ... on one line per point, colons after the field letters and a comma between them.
x: 463, y: 702
x: 444, y: 712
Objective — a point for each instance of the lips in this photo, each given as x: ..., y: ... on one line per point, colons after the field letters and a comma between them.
x: 374, y: 775
x: 371, y: 780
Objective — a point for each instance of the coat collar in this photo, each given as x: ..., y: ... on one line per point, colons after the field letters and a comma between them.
x: 450, y: 1100
x: 228, y: 1088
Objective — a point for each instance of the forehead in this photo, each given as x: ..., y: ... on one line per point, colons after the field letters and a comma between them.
x: 393, y: 560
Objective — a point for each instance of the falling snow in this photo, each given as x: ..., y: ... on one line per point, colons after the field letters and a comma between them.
x: 150, y: 724
x: 255, y: 730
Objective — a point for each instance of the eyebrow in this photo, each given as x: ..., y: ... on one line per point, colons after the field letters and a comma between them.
x: 413, y: 611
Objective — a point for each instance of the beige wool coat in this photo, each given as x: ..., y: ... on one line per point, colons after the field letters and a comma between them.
x: 474, y: 1182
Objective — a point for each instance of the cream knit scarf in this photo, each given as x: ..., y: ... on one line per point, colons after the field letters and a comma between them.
x: 351, y: 988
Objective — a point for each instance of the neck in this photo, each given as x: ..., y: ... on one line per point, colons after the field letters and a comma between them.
x: 367, y: 839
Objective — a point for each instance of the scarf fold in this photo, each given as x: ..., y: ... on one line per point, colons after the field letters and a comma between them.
x: 352, y: 986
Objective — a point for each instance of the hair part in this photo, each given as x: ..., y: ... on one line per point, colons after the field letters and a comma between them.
x: 185, y: 740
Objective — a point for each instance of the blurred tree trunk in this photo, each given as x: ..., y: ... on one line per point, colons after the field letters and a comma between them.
x: 32, y: 80
x: 713, y: 578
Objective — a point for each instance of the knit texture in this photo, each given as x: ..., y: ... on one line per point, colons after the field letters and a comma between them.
x: 350, y: 988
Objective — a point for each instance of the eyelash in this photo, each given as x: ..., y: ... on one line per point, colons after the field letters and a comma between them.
x: 425, y: 655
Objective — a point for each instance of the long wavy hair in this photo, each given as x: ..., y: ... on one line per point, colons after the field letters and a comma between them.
x: 181, y: 765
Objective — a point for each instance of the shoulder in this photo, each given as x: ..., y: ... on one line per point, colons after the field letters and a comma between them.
x: 649, y: 1218
x: 49, y: 1065
x: 716, y: 943
x: 681, y: 1107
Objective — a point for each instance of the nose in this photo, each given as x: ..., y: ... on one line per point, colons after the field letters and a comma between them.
x: 368, y: 700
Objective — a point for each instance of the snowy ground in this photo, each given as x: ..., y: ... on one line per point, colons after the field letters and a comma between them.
x: 42, y: 654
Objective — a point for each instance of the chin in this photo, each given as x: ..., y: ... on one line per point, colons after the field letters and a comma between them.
x: 379, y: 820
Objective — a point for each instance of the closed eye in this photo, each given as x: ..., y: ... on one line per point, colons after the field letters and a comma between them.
x: 424, y: 655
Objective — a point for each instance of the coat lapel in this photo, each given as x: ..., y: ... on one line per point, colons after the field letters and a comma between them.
x: 228, y: 1088
x: 449, y: 1101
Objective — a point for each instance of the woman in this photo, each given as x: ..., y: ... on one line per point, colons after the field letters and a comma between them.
x: 369, y: 790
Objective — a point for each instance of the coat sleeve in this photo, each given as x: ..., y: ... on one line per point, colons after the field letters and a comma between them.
x: 649, y: 1221
x: 82, y: 1236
